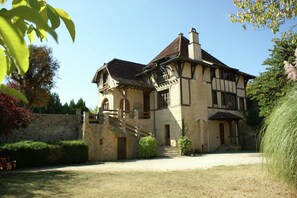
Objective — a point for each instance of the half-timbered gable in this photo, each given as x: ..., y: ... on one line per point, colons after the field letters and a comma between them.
x: 183, y: 83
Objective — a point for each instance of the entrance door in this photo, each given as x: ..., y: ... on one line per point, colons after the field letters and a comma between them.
x: 121, y: 148
x: 167, y: 135
x: 222, y: 134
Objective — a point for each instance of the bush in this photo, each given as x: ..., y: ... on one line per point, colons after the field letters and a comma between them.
x: 147, y: 147
x: 75, y: 151
x: 279, y: 140
x: 33, y: 154
x: 184, y: 145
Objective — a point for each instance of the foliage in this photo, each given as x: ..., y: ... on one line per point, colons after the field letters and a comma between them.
x: 279, y: 139
x: 252, y: 117
x: 31, y: 154
x: 71, y: 108
x: 185, y: 127
x: 94, y: 110
x: 147, y: 147
x: 38, y: 81
x: 26, y: 18
x: 184, y: 144
x: 265, y: 13
x: 74, y: 151
x: 55, y: 106
x: 273, y: 84
x: 13, y: 114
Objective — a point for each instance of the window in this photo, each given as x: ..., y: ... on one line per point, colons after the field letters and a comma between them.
x: 241, y: 104
x: 223, y: 97
x: 163, y: 98
x: 229, y: 100
x: 212, y: 73
x: 214, y: 97
x: 105, y: 104
x: 105, y: 75
x: 227, y: 75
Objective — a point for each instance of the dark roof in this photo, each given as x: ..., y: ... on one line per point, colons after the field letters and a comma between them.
x: 179, y: 48
x: 124, y: 72
x: 224, y: 116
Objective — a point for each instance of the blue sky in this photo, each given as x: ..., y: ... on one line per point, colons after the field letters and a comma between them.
x: 137, y: 30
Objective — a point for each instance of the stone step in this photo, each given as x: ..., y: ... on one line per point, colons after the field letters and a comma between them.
x: 167, y: 151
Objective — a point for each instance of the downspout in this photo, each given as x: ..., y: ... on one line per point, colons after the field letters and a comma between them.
x: 154, y: 120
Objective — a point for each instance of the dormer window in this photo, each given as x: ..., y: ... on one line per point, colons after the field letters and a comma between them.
x: 105, y: 75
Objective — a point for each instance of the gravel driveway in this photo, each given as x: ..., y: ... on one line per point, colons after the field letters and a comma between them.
x: 166, y: 164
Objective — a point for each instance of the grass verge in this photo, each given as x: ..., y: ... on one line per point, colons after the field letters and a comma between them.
x: 238, y: 181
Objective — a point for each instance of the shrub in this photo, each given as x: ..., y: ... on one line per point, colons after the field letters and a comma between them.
x: 184, y: 144
x: 74, y: 151
x: 279, y: 140
x: 33, y: 154
x: 147, y: 147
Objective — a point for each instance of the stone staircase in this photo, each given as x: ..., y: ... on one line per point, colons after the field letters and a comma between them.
x: 167, y: 151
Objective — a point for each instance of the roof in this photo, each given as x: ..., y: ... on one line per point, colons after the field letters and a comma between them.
x: 124, y: 72
x: 224, y: 116
x: 179, y: 48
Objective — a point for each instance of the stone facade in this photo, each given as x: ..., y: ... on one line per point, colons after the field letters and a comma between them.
x: 48, y: 128
x: 103, y: 141
x: 183, y: 84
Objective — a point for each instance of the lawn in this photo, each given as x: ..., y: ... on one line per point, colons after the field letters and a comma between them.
x: 238, y: 181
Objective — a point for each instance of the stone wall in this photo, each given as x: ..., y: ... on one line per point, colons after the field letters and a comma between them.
x: 48, y: 128
x: 102, y: 140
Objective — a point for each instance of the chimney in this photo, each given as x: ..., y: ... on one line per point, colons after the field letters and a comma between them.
x: 194, y: 46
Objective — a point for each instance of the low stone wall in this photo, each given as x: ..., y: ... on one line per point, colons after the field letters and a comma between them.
x: 48, y: 128
x: 102, y: 140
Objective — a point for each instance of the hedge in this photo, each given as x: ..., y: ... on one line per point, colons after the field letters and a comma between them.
x: 34, y: 154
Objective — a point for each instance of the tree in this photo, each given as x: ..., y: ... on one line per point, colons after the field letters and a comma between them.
x: 272, y: 84
x: 264, y: 13
x: 26, y: 17
x: 54, y: 106
x: 81, y: 104
x: 13, y: 114
x: 279, y: 134
x: 38, y: 81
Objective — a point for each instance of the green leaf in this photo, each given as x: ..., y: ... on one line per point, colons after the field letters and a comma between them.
x: 43, y: 13
x: 2, y: 1
x: 53, y: 17
x: 21, y: 25
x: 13, y: 92
x: 15, y: 45
x: 244, y: 27
x: 34, y: 4
x: 32, y: 16
x: 17, y: 3
x: 41, y: 33
x: 3, y: 65
x: 68, y: 22
x: 30, y: 34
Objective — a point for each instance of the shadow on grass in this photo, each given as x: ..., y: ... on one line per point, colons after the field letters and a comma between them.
x: 38, y: 184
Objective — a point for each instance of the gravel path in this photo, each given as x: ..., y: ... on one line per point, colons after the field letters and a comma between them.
x: 165, y: 164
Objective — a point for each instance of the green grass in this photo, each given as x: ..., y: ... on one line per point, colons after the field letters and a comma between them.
x: 239, y: 181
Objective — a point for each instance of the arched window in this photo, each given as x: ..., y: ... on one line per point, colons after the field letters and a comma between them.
x: 105, y: 104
